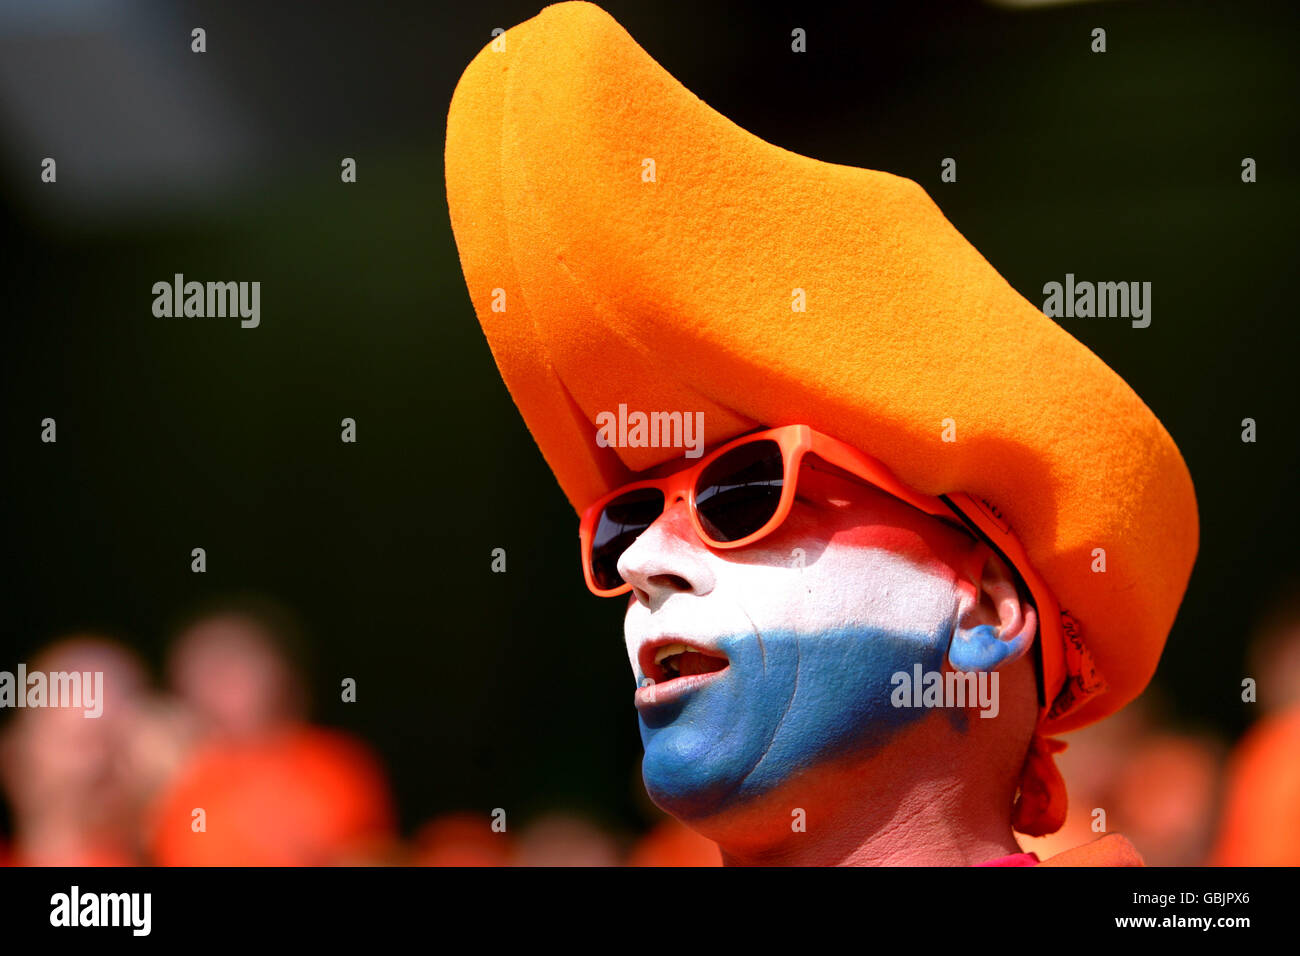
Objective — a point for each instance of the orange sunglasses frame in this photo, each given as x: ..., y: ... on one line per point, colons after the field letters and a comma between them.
x: 795, y: 442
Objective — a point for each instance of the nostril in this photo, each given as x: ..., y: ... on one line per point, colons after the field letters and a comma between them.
x: 670, y: 582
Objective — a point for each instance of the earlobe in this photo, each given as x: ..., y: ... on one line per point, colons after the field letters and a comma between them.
x: 997, y: 628
x: 984, y: 648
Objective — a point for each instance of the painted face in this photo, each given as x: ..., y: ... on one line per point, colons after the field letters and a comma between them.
x: 789, y: 644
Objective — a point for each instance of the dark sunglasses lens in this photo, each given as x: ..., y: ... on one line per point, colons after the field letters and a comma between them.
x: 620, y: 522
x: 740, y: 492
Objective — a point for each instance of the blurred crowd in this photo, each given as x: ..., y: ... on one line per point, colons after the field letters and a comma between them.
x: 220, y: 766
x: 1187, y: 798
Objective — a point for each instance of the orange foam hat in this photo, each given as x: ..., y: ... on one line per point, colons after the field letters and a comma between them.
x: 625, y: 244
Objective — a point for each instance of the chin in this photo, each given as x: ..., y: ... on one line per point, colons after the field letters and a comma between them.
x: 688, y: 774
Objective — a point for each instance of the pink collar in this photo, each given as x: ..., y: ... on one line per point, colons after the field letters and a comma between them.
x: 1015, y: 859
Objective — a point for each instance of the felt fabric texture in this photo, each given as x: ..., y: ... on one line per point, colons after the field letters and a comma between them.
x: 597, y: 286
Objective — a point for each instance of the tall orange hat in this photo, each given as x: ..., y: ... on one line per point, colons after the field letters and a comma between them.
x: 625, y: 244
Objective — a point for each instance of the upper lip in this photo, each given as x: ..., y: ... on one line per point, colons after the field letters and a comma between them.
x: 650, y: 648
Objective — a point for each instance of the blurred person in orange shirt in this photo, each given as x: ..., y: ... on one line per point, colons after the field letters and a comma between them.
x: 461, y: 839
x: 1159, y: 787
x: 565, y: 838
x: 263, y: 788
x: 238, y: 664
x: 1166, y: 797
x: 1260, y: 825
x: 75, y: 791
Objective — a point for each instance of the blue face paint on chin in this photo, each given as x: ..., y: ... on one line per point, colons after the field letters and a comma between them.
x: 787, y: 702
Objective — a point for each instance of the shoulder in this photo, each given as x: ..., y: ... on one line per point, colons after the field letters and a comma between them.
x: 1110, y: 850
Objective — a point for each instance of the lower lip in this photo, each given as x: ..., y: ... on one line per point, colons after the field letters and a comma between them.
x: 675, y: 689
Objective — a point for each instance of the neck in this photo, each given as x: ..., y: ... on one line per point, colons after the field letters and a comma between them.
x: 902, y: 808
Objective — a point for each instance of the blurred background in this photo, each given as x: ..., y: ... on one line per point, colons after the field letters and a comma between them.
x: 372, y: 561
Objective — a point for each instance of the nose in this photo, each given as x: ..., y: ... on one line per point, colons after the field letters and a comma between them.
x: 667, y: 558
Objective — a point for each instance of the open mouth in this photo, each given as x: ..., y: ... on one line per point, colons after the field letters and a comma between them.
x: 681, y: 660
x: 670, y: 665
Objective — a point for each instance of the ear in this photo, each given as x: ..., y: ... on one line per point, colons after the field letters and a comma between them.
x: 994, y: 627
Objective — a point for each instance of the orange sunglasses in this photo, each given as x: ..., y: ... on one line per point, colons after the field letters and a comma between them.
x: 736, y: 495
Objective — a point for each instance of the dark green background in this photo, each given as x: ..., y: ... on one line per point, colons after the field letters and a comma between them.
x: 483, y: 690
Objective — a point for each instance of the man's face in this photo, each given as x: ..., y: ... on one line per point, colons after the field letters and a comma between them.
x: 808, y: 625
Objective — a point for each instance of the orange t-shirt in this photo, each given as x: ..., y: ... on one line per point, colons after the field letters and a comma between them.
x: 298, y: 797
x: 1261, y: 812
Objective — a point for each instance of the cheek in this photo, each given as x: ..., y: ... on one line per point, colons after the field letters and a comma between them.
x: 842, y: 701
x: 861, y: 579
x: 864, y: 615
x: 899, y: 541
